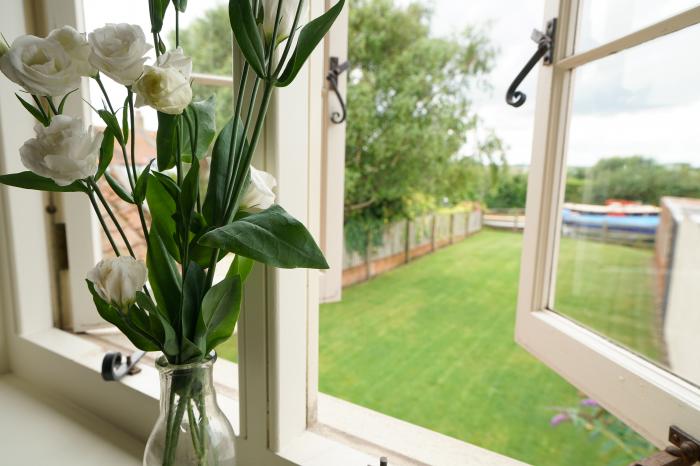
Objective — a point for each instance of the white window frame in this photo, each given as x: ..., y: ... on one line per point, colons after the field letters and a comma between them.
x: 645, y: 396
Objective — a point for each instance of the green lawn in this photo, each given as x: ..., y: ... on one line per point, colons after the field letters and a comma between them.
x: 432, y: 343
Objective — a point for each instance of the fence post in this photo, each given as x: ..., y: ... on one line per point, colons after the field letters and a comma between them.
x: 407, y: 242
x: 368, y: 255
x: 452, y: 228
x: 432, y: 232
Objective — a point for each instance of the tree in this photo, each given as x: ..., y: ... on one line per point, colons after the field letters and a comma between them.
x: 409, y: 109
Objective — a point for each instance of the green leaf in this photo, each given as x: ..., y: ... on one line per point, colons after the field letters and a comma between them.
x: 112, y: 124
x: 36, y: 113
x: 114, y: 316
x: 193, y: 290
x: 203, y: 118
x: 188, y: 195
x: 118, y: 189
x: 190, y: 351
x: 181, y: 5
x: 157, y: 10
x: 309, y: 38
x: 125, y: 119
x: 30, y: 180
x: 160, y: 327
x: 163, y: 207
x: 166, y: 143
x: 142, y: 184
x: 220, y: 309
x: 272, y: 237
x: 106, y: 153
x: 63, y: 100
x: 241, y: 266
x: 163, y: 276
x: 213, y: 207
x: 168, y: 183
x: 247, y: 34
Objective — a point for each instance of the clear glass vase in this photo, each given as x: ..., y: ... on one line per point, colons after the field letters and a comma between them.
x: 191, y: 429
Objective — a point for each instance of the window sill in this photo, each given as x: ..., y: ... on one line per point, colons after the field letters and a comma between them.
x: 346, y: 434
x: 45, y: 430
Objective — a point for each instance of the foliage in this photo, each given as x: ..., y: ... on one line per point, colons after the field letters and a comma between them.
x: 509, y: 193
x: 409, y: 110
x: 623, y: 443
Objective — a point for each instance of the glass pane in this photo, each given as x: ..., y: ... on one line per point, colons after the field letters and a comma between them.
x: 604, y: 20
x: 629, y: 258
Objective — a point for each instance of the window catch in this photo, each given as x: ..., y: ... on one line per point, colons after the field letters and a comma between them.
x: 113, y: 369
x: 685, y: 451
x: 335, y: 70
x: 545, y: 49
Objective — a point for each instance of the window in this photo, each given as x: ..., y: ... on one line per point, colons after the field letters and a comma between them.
x: 603, y: 289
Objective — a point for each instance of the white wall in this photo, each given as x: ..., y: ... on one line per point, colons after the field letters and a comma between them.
x: 682, y: 317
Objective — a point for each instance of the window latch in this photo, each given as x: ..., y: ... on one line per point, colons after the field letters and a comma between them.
x: 335, y: 70
x: 685, y: 451
x: 545, y: 49
x: 114, y: 368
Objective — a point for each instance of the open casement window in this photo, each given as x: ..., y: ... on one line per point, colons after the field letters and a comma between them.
x: 606, y: 304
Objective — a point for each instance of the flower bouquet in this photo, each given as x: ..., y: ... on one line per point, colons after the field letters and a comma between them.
x: 171, y: 303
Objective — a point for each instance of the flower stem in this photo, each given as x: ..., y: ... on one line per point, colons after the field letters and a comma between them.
x: 103, y: 223
x: 109, y: 211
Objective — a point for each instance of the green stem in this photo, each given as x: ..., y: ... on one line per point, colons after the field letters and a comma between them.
x: 109, y: 211
x: 290, y: 39
x: 133, y: 132
x: 52, y: 106
x: 232, y: 145
x: 103, y: 223
x: 41, y: 107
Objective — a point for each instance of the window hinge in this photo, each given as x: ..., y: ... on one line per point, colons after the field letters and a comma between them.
x: 60, y: 246
x: 684, y: 452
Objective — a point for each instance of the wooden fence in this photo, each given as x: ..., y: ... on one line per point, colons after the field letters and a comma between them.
x: 406, y: 240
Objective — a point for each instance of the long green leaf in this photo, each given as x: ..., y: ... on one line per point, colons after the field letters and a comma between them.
x: 309, y: 38
x: 160, y: 327
x: 106, y: 153
x: 112, y: 123
x: 166, y: 143
x: 30, y: 180
x: 125, y: 120
x: 247, y: 34
x: 188, y: 197
x: 163, y: 207
x: 163, y: 276
x: 64, y: 99
x: 192, y: 294
x: 142, y: 184
x: 220, y: 309
x: 213, y: 207
x: 157, y: 10
x: 36, y: 113
x: 112, y: 315
x: 272, y: 237
x: 118, y: 189
x: 203, y: 117
x: 241, y: 266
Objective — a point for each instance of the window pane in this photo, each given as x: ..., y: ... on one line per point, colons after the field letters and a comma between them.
x: 604, y: 20
x: 629, y: 259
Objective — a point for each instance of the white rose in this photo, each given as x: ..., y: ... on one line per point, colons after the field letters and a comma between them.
x: 62, y: 151
x: 40, y: 66
x: 118, y: 279
x: 166, y: 86
x: 259, y: 195
x: 118, y: 50
x: 76, y: 46
x: 289, y: 11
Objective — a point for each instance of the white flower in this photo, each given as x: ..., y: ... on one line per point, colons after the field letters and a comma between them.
x: 40, y: 66
x: 118, y: 279
x: 166, y: 86
x: 117, y: 50
x: 76, y: 46
x: 62, y: 151
x: 287, y: 14
x: 259, y: 195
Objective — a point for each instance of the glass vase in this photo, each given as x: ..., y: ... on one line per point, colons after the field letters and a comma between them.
x: 191, y: 429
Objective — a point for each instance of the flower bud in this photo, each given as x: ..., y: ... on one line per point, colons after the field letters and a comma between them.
x: 118, y: 279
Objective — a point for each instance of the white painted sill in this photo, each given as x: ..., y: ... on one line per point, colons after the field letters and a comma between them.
x: 345, y: 434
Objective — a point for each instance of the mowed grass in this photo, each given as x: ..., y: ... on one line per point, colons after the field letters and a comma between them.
x: 432, y: 343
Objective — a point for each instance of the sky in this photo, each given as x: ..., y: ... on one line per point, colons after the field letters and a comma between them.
x: 645, y: 101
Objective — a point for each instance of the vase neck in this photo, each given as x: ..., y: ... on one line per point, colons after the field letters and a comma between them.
x: 187, y: 381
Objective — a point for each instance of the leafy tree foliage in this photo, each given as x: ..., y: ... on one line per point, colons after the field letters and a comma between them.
x: 409, y: 111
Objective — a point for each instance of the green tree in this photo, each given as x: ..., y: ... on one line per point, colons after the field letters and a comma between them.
x: 209, y: 42
x: 409, y: 109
